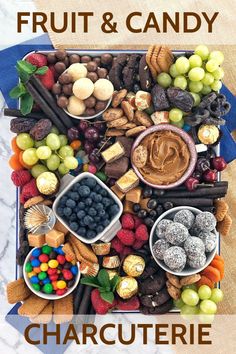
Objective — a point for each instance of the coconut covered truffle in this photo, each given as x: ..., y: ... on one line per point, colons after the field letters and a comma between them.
x: 205, y: 221
x: 160, y: 247
x: 103, y: 89
x: 83, y: 88
x: 185, y: 217
x: 161, y: 227
x: 197, y: 261
x: 194, y: 246
x: 175, y: 258
x: 209, y: 239
x: 77, y: 71
x: 76, y: 106
x: 176, y: 233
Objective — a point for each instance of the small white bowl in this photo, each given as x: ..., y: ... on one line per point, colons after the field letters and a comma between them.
x: 169, y: 214
x: 41, y: 294
x: 110, y: 231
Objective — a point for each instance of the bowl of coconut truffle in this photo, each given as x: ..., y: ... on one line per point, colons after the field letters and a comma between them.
x: 184, y: 240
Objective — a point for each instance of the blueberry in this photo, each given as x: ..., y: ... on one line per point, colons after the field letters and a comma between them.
x: 81, y: 205
x: 105, y: 222
x: 93, y: 195
x: 67, y: 211
x: 91, y: 234
x: 136, y: 207
x: 149, y: 222
x: 168, y: 205
x: 73, y: 217
x: 77, y: 186
x: 98, y: 198
x: 103, y: 193
x: 81, y: 214
x: 97, y: 218
x: 101, y: 213
x: 87, y: 220
x: 82, y: 222
x: 153, y: 214
x: 88, y: 201
x: 75, y: 196
x: 84, y: 191
x: 114, y: 209
x: 158, y: 192
x: 60, y: 211
x: 70, y: 203
x: 100, y: 229
x: 81, y: 231
x: 152, y: 203
x: 98, y: 188
x: 142, y: 213
x: 159, y: 210
x: 91, y: 182
x: 98, y: 206
x: 92, y: 212
x: 92, y: 226
x: 147, y: 192
x: 63, y: 200
x: 74, y: 226
x: 106, y: 202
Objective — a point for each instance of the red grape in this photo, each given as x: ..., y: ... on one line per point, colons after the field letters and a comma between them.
x: 91, y: 134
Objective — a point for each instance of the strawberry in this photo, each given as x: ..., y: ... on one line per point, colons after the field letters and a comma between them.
x: 126, y: 237
x: 128, y: 305
x: 100, y: 306
x: 47, y: 79
x: 37, y: 59
x: 127, y: 221
x: 141, y: 233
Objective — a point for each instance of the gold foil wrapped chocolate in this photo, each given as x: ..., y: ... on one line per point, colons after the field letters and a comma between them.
x: 101, y: 249
x: 112, y: 273
x: 111, y: 262
x: 47, y: 183
x: 208, y: 134
x: 133, y: 265
x: 127, y: 287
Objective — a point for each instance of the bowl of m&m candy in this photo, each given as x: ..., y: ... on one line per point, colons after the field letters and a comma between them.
x: 49, y: 273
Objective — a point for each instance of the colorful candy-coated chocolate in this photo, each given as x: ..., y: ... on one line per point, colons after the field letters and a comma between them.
x: 54, y: 284
x: 42, y: 275
x: 80, y: 161
x: 34, y: 279
x: 36, y: 252
x: 92, y: 169
x: 61, y: 292
x: 61, y: 259
x: 35, y: 263
x: 59, y: 250
x: 101, y: 175
x: 36, y: 287
x: 53, y: 263
x: 68, y: 258
x: 52, y: 271
x: 74, y: 269
x: 48, y: 288
x: 86, y: 167
x: 53, y: 277
x: 46, y: 281
x: 44, y: 258
x: 44, y: 267
x: 28, y: 267
x: 186, y: 127
x: 37, y: 269
x: 67, y: 274
x: 31, y: 258
x: 61, y: 284
x: 46, y: 249
x: 31, y: 274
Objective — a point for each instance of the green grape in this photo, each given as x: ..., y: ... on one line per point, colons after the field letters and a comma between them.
x: 195, y: 87
x: 187, y: 312
x: 178, y: 124
x: 197, y: 98
x: 175, y: 114
x: 178, y: 303
x: 218, y: 74
x: 212, y: 65
x: 173, y: 71
x: 24, y: 141
x: 54, y: 130
x: 206, y: 89
x: 196, y: 74
x: 180, y: 82
x: 202, y: 51
x: 182, y: 65
x: 53, y: 162
x: 43, y: 152
x: 216, y: 295
x: 216, y: 86
x: 63, y: 170
x: 30, y: 157
x: 36, y: 170
x: 217, y: 55
x: 66, y: 151
x: 63, y: 139
x: 206, y: 318
x: 208, y: 306
x: 53, y: 141
x: 40, y: 143
x: 190, y: 297
x: 204, y: 292
x: 164, y: 80
x: 71, y: 162
x: 208, y: 79
x: 190, y: 286
x: 195, y: 61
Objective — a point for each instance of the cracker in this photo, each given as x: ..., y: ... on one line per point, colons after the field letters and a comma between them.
x: 117, y: 122
x: 118, y: 97
x: 143, y: 118
x: 221, y: 209
x: 154, y: 58
x: 63, y: 309
x: 140, y: 156
x: 224, y: 226
x: 165, y: 59
x: 68, y: 250
x: 33, y: 201
x: 17, y: 291
x: 148, y: 60
x: 84, y: 250
x: 135, y: 131
x: 32, y: 306
x: 128, y: 110
x: 45, y: 316
x: 127, y: 126
x: 114, y: 132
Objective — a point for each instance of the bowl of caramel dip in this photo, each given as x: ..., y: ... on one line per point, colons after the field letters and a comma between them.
x: 163, y: 156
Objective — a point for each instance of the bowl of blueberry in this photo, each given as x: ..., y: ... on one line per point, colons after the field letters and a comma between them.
x: 184, y: 240
x: 89, y: 209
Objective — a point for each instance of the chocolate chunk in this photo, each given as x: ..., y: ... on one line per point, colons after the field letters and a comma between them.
x: 144, y: 74
x: 115, y: 74
x: 117, y: 168
x: 129, y: 71
x: 127, y: 143
x: 164, y: 308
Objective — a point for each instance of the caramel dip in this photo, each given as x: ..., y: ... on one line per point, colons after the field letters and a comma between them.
x: 162, y: 157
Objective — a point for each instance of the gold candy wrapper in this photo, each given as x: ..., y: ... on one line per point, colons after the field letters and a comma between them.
x: 112, y: 273
x: 208, y: 134
x: 101, y: 249
x: 127, y: 287
x: 47, y: 183
x: 111, y: 262
x: 133, y: 265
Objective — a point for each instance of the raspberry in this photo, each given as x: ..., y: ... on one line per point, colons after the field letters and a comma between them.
x: 128, y: 305
x: 137, y: 221
x: 28, y: 191
x: 126, y: 237
x: 117, y: 245
x: 126, y: 251
x: 141, y: 233
x: 37, y: 59
x: 138, y: 244
x: 127, y: 221
x: 20, y: 177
